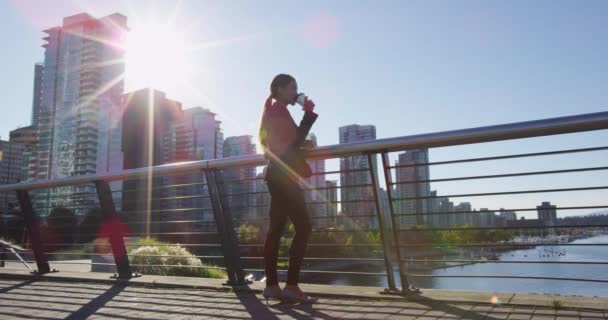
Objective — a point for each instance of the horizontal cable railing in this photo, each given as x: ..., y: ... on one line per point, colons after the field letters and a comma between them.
x: 523, y: 155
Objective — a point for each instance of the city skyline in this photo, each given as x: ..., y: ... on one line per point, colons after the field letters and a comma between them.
x: 133, y: 145
x: 507, y: 111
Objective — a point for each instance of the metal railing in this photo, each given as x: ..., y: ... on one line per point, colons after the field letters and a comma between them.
x: 393, y: 246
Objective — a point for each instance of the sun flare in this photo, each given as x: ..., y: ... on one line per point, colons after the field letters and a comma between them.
x: 157, y: 56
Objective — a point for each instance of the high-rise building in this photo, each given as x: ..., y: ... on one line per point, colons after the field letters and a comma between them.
x: 331, y: 202
x: 37, y: 93
x: 385, y: 210
x: 355, y: 179
x: 28, y: 136
x: 484, y: 218
x: 81, y: 104
x: 262, y: 202
x: 547, y: 214
x: 411, y: 184
x: 443, y: 208
x: 196, y: 135
x: 15, y: 156
x: 507, y: 215
x: 316, y: 196
x: 11, y: 154
x: 239, y: 182
x: 147, y: 120
x: 317, y: 166
x: 463, y: 214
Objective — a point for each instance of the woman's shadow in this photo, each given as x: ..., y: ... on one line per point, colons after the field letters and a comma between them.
x: 258, y: 309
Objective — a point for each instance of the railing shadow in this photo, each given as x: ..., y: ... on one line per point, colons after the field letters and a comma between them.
x: 94, y: 305
x: 31, y: 299
x: 451, y: 310
x: 254, y: 306
x: 17, y: 286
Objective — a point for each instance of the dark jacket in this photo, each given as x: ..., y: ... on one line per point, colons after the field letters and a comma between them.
x: 281, y: 137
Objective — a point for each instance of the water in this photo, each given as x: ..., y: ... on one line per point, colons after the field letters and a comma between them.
x: 573, y: 253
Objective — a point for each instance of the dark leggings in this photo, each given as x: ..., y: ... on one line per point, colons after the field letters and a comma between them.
x: 287, y: 200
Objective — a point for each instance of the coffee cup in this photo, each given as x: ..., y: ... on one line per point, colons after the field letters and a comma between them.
x: 301, y: 99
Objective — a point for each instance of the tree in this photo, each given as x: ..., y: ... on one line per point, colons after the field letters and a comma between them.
x: 89, y: 227
x: 248, y: 233
x: 62, y: 222
x: 13, y: 226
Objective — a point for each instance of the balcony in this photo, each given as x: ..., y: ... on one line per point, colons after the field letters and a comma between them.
x: 88, y: 112
x: 87, y: 147
x: 86, y: 136
x: 87, y: 92
x: 89, y: 61
x: 82, y: 161
x: 83, y: 172
x: 84, y: 165
x: 90, y: 50
x: 89, y: 83
x: 86, y: 122
x: 89, y: 73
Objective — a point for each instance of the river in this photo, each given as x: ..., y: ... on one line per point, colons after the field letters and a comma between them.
x: 553, y: 253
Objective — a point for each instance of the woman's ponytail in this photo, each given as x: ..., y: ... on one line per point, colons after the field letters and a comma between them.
x: 268, y: 102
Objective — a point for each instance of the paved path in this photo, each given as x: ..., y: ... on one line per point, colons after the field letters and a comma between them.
x: 55, y: 299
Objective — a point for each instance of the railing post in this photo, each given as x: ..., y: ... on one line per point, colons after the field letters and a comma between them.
x: 225, y: 229
x: 32, y: 225
x: 2, y: 257
x: 405, y: 286
x: 119, y: 250
x: 389, y: 268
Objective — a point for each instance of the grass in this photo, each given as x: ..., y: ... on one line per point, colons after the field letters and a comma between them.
x: 11, y: 241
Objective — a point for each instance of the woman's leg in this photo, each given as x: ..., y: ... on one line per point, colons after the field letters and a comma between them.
x: 298, y: 214
x: 276, y: 226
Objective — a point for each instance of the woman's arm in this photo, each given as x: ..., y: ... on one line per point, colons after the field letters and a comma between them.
x: 306, y: 123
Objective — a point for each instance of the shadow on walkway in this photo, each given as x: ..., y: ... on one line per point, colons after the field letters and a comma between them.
x: 97, y: 303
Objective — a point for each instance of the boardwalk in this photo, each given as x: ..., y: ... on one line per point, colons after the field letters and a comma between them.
x: 62, y: 299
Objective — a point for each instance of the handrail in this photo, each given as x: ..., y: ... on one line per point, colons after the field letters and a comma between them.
x: 517, y: 130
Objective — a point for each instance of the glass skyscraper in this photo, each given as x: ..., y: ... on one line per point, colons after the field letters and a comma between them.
x: 81, y: 101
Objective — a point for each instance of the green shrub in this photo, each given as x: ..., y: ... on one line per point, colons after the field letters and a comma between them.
x: 556, y: 304
x: 151, y: 256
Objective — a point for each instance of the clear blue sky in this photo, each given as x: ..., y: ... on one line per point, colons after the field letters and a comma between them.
x: 407, y: 67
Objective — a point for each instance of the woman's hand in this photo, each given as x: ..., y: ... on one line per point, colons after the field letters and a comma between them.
x: 309, y: 105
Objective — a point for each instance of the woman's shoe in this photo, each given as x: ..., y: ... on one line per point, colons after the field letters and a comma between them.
x: 272, y: 293
x: 291, y: 296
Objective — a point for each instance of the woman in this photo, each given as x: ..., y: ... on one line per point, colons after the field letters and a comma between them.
x: 282, y: 140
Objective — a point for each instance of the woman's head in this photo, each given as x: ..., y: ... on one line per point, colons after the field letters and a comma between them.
x: 284, y: 88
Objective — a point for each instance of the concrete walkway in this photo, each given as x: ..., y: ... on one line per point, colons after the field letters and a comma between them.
x: 67, y: 295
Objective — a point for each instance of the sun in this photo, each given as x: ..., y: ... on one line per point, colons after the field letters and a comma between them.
x: 157, y: 56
